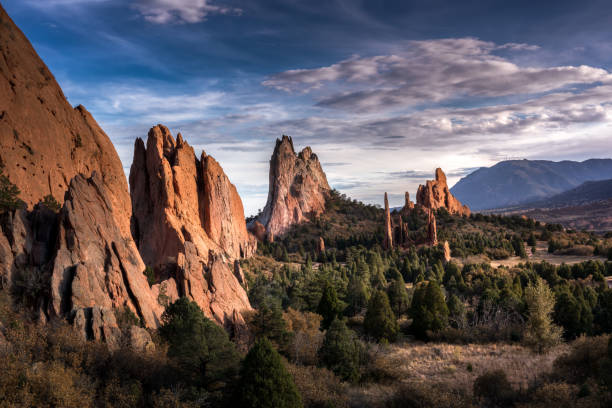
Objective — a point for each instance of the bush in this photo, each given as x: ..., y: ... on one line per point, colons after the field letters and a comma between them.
x: 540, y: 332
x: 429, y: 310
x: 9, y: 193
x: 264, y: 380
x: 494, y: 388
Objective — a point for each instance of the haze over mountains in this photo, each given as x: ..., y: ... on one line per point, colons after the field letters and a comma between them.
x: 514, y: 182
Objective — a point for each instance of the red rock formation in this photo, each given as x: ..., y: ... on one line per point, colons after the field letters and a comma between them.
x: 321, y: 247
x: 178, y: 198
x: 435, y: 194
x: 388, y: 242
x: 258, y: 230
x: 447, y: 252
x: 408, y: 205
x: 189, y: 223
x: 298, y: 188
x: 44, y: 142
x: 432, y: 234
x: 95, y: 264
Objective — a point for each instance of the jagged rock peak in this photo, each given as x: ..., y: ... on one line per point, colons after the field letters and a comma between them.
x: 388, y: 243
x: 298, y: 188
x: 44, y: 141
x: 177, y: 198
x: 436, y: 194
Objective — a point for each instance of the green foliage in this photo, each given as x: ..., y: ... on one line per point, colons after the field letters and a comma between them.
x: 51, y: 203
x: 264, y: 380
x: 202, y: 349
x: 9, y: 193
x: 268, y: 322
x: 380, y: 322
x: 341, y: 351
x: 398, y: 297
x: 330, y: 306
x: 428, y: 309
x: 150, y: 274
x: 540, y: 331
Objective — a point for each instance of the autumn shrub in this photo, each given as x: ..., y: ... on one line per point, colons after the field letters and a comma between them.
x: 494, y: 388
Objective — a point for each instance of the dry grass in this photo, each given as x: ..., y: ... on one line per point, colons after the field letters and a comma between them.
x: 542, y: 254
x: 459, y: 365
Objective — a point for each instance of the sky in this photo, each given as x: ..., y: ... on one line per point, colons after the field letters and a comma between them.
x: 383, y: 91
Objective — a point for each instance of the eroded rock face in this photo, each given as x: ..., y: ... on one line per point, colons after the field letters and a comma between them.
x: 298, y: 188
x: 447, y: 252
x: 177, y: 198
x: 408, y: 205
x: 44, y: 142
x: 435, y: 194
x: 432, y: 231
x: 96, y: 265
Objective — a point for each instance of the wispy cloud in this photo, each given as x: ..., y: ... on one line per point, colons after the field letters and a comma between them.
x: 180, y: 11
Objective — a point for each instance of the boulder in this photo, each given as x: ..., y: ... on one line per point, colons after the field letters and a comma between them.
x: 435, y: 194
x: 298, y: 188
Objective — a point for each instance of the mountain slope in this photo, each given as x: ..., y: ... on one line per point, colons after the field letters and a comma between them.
x: 585, y: 193
x: 514, y: 182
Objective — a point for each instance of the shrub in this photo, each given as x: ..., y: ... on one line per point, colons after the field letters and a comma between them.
x: 264, y: 380
x: 51, y: 203
x: 9, y: 193
x: 307, y: 337
x: 494, y: 388
x: 540, y: 332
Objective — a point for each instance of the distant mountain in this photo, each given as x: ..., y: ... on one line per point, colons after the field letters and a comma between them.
x: 585, y: 193
x: 513, y: 182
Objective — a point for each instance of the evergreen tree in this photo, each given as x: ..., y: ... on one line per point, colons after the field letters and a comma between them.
x: 341, y: 351
x: 540, y: 332
x: 329, y: 305
x: 268, y: 322
x: 380, y: 322
x: 9, y: 193
x: 202, y: 349
x: 428, y: 309
x: 456, y: 312
x: 398, y: 297
x: 264, y: 380
x: 357, y: 296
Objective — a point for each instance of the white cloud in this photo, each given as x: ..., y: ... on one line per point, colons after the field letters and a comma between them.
x: 426, y: 72
x: 179, y: 11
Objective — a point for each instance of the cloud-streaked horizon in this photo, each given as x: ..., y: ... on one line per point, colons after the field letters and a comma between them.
x: 383, y: 94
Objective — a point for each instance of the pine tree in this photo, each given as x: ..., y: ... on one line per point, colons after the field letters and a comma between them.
x: 268, y: 322
x: 264, y: 380
x: 329, y: 305
x: 428, y: 309
x: 202, y: 349
x: 398, y: 297
x: 380, y: 322
x: 341, y: 351
x: 540, y: 332
x: 9, y: 193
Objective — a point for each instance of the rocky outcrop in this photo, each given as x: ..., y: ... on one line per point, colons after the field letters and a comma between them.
x: 408, y: 205
x: 44, y: 142
x: 177, y: 198
x: 321, y: 246
x: 298, y: 188
x: 435, y: 194
x: 388, y: 242
x: 97, y: 265
x: 432, y: 233
x: 447, y: 252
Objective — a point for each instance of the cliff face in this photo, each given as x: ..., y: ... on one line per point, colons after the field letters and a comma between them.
x: 435, y: 194
x: 44, y: 142
x: 83, y: 259
x: 188, y: 223
x: 298, y: 188
x: 178, y: 198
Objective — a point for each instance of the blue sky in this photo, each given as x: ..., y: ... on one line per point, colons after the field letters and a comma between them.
x: 383, y: 91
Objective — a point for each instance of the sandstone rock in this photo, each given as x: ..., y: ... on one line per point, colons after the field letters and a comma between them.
x: 321, y: 247
x: 177, y: 198
x: 44, y: 142
x: 388, y: 242
x: 435, y: 194
x: 447, y: 252
x: 97, y: 323
x: 258, y: 230
x: 298, y: 188
x: 96, y: 265
x: 432, y: 234
x: 140, y: 339
x: 239, y: 274
x: 408, y: 205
